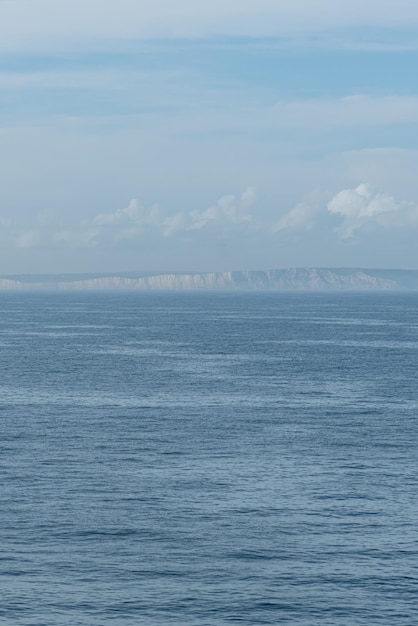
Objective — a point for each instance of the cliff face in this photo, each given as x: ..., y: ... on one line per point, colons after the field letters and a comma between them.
x: 6, y: 283
x: 295, y: 279
x: 306, y: 279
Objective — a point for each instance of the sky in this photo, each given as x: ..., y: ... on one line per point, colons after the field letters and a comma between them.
x: 156, y: 135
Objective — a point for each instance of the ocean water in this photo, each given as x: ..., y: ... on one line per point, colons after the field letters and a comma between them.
x: 208, y: 459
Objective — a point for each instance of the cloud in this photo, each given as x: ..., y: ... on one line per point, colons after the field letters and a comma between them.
x: 228, y: 210
x: 29, y: 239
x: 133, y: 222
x: 183, y: 100
x: 358, y: 213
x: 351, y: 110
x: 48, y: 238
x: 47, y: 22
x: 133, y: 213
x: 301, y: 216
x: 361, y: 206
x: 350, y: 211
x: 391, y: 168
x: 361, y: 202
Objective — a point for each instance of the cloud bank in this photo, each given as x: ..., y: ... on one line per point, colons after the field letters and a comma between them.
x: 230, y: 214
x: 345, y: 215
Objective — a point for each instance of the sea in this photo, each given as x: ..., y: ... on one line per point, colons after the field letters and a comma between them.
x: 208, y: 459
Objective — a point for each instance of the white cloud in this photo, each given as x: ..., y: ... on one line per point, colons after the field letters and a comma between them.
x: 228, y: 210
x: 361, y: 202
x: 174, y: 223
x: 132, y: 222
x: 134, y: 219
x: 362, y: 205
x: 248, y: 197
x: 131, y: 213
x: 349, y: 212
x: 301, y: 216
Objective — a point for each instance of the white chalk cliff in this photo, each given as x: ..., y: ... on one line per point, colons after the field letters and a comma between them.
x: 306, y: 279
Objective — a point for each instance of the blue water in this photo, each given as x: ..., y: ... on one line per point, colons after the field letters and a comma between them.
x: 208, y: 459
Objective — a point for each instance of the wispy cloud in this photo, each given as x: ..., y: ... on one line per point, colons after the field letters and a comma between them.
x: 50, y: 23
x: 186, y: 103
x: 301, y: 216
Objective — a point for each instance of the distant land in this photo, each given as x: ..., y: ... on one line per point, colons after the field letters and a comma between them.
x: 298, y: 279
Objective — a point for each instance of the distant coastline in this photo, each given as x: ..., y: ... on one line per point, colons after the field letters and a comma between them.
x: 297, y: 279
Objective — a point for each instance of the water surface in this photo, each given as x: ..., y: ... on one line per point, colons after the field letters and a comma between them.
x: 208, y: 459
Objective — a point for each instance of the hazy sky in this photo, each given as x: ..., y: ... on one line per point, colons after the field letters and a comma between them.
x: 187, y: 135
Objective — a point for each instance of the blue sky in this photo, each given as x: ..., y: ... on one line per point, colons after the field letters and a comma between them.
x: 232, y: 135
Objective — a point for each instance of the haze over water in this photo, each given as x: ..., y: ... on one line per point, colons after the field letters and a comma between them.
x: 208, y: 459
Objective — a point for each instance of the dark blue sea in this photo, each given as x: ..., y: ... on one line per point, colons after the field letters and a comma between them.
x: 208, y: 459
